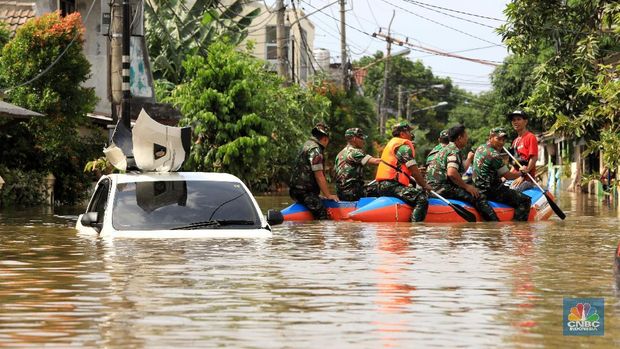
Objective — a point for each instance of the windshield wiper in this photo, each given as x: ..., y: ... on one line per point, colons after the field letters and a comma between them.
x: 215, y: 223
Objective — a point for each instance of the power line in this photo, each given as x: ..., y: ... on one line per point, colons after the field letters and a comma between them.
x: 267, y: 7
x: 447, y: 14
x: 437, y: 52
x: 54, y: 62
x: 303, y: 39
x: 372, y: 13
x: 348, y: 25
x: 441, y: 24
x: 329, y: 32
x: 459, y: 51
x: 457, y: 11
x: 463, y: 74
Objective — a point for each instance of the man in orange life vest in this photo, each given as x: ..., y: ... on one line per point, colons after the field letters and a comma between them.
x: 400, y: 153
x: 525, y: 149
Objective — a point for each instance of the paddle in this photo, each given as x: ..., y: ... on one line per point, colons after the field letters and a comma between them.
x: 545, y: 192
x: 460, y: 210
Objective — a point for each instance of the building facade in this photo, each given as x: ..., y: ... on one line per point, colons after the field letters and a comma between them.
x: 299, y: 40
x: 96, y: 17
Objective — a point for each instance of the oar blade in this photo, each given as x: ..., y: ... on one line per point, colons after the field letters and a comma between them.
x: 554, y: 206
x: 461, y: 211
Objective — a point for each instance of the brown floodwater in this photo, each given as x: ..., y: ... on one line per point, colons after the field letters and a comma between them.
x: 312, y: 285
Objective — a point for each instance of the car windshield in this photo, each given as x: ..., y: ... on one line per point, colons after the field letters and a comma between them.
x: 167, y: 205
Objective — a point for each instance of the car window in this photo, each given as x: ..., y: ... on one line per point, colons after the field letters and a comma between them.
x: 100, y: 199
x: 175, y: 204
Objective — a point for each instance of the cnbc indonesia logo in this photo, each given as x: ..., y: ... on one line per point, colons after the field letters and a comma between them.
x: 584, y: 317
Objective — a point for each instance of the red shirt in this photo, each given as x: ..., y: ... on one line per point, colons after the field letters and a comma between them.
x: 526, y: 146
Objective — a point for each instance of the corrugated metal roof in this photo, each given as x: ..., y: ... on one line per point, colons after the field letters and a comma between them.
x: 8, y: 110
x: 15, y: 13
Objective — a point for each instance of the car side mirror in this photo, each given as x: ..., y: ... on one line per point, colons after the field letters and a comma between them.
x: 274, y: 217
x: 89, y: 219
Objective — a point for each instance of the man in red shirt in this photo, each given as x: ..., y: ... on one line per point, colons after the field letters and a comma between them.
x: 524, y: 148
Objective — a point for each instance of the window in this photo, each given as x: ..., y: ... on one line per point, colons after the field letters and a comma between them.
x: 175, y: 204
x: 66, y: 7
x: 271, y: 42
x: 100, y: 200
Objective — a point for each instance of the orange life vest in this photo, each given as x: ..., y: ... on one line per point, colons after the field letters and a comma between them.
x: 385, y: 172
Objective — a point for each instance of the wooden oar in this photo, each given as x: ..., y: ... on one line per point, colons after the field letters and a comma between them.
x: 545, y: 192
x: 460, y: 210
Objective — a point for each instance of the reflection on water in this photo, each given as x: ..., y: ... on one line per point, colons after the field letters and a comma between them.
x: 331, y: 284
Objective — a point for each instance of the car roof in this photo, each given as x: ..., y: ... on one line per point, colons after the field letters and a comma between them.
x: 172, y: 176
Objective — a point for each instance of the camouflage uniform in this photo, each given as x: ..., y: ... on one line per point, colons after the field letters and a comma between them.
x: 437, y: 177
x: 433, y: 154
x: 443, y: 135
x: 349, y: 170
x: 413, y: 196
x: 488, y: 167
x: 303, y: 186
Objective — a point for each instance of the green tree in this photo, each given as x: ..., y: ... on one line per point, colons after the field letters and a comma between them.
x: 571, y: 91
x: 4, y: 34
x: 57, y: 145
x: 179, y: 28
x: 417, y: 83
x: 244, y: 121
x: 347, y: 109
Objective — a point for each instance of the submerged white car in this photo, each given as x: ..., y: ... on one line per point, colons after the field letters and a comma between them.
x: 175, y: 205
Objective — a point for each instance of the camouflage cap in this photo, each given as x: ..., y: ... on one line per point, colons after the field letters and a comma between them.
x: 520, y: 113
x: 443, y: 134
x: 403, y: 125
x: 498, y: 131
x: 321, y: 128
x: 354, y: 132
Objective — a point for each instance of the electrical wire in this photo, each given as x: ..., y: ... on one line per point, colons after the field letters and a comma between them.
x: 372, y: 13
x: 457, y: 11
x: 346, y: 24
x: 268, y: 8
x: 441, y: 24
x: 330, y: 32
x: 303, y: 37
x: 55, y: 61
x: 415, y: 3
x: 440, y: 53
x: 459, y: 51
x: 135, y: 16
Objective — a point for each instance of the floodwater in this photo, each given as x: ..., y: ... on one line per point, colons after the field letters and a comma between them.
x: 313, y: 285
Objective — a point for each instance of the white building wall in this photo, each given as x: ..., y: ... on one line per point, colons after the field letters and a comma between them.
x: 257, y: 33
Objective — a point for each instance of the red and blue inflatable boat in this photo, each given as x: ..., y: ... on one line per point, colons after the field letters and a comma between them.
x: 390, y: 209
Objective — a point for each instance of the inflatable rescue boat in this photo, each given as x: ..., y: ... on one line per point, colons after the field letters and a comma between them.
x: 391, y: 209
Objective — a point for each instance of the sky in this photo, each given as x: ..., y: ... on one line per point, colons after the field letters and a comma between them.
x: 423, y: 25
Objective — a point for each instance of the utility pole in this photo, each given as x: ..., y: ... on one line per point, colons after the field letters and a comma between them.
x: 280, y: 38
x: 383, y: 116
x: 116, y: 30
x: 126, y: 106
x: 400, y: 100
x: 343, y: 47
x: 408, y: 108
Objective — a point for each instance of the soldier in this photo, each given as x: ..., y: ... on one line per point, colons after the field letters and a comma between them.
x: 444, y: 174
x: 400, y: 153
x: 308, y: 178
x: 489, y: 168
x: 350, y: 164
x: 524, y: 148
x: 443, y: 141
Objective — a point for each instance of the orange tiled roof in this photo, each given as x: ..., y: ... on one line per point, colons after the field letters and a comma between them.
x: 15, y: 13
